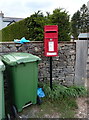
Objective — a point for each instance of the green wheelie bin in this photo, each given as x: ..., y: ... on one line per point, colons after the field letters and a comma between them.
x: 22, y: 76
x: 2, y: 104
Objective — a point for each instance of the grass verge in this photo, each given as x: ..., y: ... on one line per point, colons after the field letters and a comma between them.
x: 62, y: 99
x: 60, y: 102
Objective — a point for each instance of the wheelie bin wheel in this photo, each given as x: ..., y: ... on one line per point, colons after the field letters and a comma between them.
x: 8, y: 117
x: 39, y: 101
x: 15, y: 114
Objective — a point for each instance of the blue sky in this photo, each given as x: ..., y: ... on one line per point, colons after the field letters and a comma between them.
x: 24, y: 8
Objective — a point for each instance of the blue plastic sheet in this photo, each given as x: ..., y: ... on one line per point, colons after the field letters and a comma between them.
x: 23, y: 40
x: 40, y: 92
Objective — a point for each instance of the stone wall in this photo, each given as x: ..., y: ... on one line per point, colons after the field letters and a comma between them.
x: 63, y: 65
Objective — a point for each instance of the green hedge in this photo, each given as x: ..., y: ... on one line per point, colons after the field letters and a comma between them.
x: 14, y: 31
x: 32, y: 27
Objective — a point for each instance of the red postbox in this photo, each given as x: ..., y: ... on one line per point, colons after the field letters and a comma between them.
x: 51, y: 40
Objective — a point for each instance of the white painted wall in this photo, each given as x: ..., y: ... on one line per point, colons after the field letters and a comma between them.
x: 4, y: 24
x: 1, y: 23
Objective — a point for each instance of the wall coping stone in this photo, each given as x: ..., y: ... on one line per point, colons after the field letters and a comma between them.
x: 63, y: 42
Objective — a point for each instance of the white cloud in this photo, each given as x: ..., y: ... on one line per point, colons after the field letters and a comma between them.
x: 24, y: 8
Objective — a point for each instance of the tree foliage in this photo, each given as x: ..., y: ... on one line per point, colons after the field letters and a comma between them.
x: 32, y: 27
x: 84, y: 19
x: 75, y: 24
x: 35, y: 25
x: 61, y: 18
x: 80, y: 21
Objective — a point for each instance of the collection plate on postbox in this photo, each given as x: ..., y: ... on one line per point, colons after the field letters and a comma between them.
x: 51, y: 40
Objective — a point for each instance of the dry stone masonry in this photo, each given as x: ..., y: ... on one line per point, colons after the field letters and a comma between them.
x: 63, y: 65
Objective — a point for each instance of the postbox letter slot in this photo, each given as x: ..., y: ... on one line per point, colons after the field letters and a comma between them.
x: 51, y: 31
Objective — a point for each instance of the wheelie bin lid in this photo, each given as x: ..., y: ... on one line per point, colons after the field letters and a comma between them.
x: 17, y: 58
x: 2, y: 66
